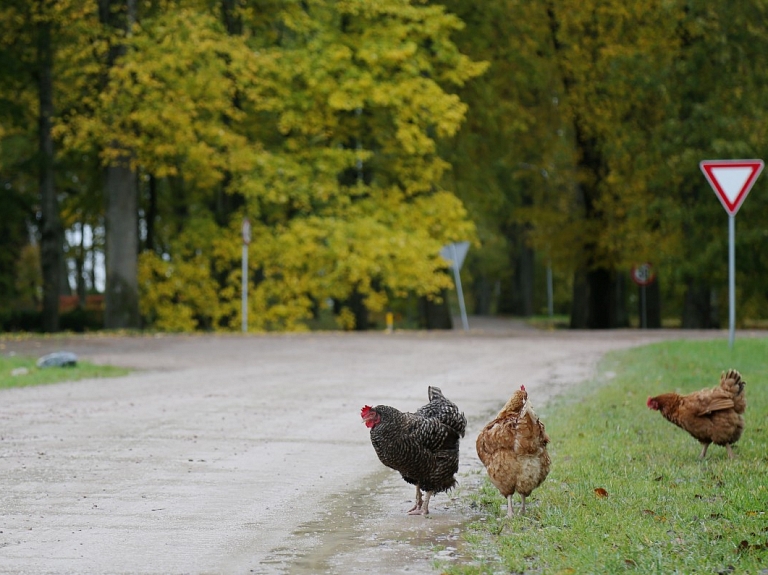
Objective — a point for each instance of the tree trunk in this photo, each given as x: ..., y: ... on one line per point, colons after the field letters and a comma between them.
x: 92, y: 269
x: 51, y: 233
x: 600, y: 299
x: 227, y: 201
x: 523, y: 280
x: 80, y: 268
x: 121, y: 190
x: 356, y: 304
x: 482, y: 289
x: 122, y: 290
x: 517, y: 290
x: 232, y: 20
x: 580, y: 301
x: 151, y: 214
x: 604, y: 308
x: 698, y: 309
x: 65, y: 288
x: 652, y: 305
x: 433, y: 315
x: 620, y: 313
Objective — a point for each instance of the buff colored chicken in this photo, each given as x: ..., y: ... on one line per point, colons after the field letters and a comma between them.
x: 513, y: 448
x: 711, y: 415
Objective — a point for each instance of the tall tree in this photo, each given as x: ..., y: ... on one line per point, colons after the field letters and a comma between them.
x: 121, y: 192
x: 592, y: 217
x: 51, y: 233
x: 716, y: 111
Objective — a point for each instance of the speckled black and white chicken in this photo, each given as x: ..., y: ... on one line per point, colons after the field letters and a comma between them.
x: 422, y: 446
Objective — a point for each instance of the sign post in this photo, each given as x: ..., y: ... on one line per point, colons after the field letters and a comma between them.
x: 731, y: 180
x: 643, y: 275
x: 246, y: 240
x: 455, y: 253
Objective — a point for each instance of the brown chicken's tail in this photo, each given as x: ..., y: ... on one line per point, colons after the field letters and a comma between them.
x: 731, y: 381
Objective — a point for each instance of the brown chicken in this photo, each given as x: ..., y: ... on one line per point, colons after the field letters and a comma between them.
x: 710, y: 415
x: 513, y: 448
x: 422, y: 446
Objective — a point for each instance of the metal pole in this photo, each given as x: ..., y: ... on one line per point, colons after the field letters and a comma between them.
x: 731, y: 279
x: 457, y: 278
x: 644, y: 322
x: 245, y: 288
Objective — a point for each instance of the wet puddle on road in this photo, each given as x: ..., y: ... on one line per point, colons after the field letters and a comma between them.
x: 368, y: 531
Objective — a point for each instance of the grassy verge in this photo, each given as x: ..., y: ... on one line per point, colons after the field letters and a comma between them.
x: 37, y: 376
x: 627, y: 492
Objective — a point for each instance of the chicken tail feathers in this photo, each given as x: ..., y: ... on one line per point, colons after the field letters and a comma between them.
x: 444, y: 410
x: 731, y: 380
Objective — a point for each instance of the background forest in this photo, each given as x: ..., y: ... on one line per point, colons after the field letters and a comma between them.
x: 358, y: 137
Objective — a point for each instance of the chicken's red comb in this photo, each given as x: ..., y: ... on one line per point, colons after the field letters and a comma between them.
x: 522, y: 388
x: 365, y: 410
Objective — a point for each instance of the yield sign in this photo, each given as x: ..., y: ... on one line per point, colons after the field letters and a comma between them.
x: 456, y: 250
x: 731, y: 180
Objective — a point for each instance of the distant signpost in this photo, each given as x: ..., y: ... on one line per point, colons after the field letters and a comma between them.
x: 455, y: 253
x: 731, y: 180
x: 643, y: 276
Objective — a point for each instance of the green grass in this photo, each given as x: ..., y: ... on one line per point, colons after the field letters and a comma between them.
x: 37, y: 376
x: 665, y: 511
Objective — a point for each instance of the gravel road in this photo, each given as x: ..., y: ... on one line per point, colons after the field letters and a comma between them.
x: 246, y: 454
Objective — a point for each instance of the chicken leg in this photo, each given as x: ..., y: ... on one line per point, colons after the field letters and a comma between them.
x: 510, y: 513
x: 704, y: 451
x: 414, y: 510
x: 422, y: 508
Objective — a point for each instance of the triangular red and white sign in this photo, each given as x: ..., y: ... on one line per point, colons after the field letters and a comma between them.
x: 731, y: 180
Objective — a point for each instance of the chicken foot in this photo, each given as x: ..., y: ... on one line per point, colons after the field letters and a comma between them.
x: 418, y: 503
x: 421, y: 507
x: 704, y: 451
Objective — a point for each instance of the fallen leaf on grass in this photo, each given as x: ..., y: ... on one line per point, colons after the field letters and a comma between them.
x: 746, y: 546
x: 600, y: 492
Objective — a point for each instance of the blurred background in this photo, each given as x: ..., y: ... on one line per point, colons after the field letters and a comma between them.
x: 561, y: 138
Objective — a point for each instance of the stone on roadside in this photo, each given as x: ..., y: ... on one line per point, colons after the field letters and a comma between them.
x: 19, y: 371
x: 58, y: 359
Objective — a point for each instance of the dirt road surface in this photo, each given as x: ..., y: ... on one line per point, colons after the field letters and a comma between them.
x: 246, y: 454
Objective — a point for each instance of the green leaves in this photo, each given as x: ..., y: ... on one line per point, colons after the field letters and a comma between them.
x: 328, y: 134
x: 170, y: 100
